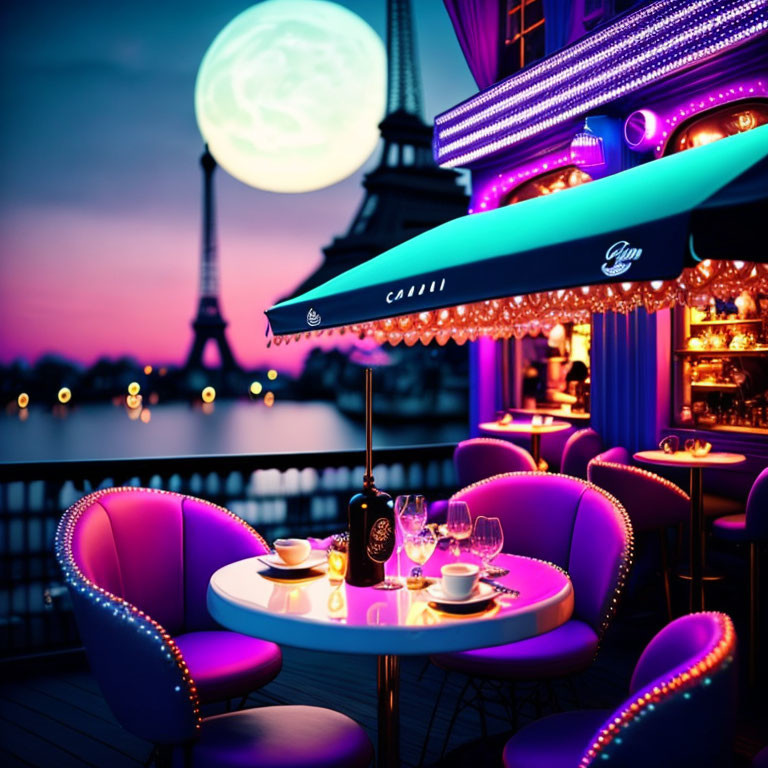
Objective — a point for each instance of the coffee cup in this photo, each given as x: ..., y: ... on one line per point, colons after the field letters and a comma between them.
x: 459, y: 580
x: 292, y: 551
x: 698, y: 447
x: 670, y: 444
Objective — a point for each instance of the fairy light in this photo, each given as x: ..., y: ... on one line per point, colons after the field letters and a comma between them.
x: 22, y: 400
x: 637, y: 50
x: 134, y: 388
x: 65, y: 395
x: 535, y: 313
x: 271, y: 374
x: 256, y: 388
x: 208, y: 394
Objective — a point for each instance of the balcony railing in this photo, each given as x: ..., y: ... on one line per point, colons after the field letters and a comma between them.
x: 301, y: 494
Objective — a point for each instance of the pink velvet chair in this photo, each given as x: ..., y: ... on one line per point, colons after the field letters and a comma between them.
x: 679, y: 710
x: 751, y: 527
x: 137, y: 563
x: 652, y: 502
x: 157, y: 551
x: 574, y: 525
x: 581, y: 448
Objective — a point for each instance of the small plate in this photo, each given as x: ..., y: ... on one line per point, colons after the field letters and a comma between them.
x: 480, y: 594
x: 316, y: 557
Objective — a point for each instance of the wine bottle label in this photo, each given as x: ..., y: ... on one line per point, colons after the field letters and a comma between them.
x: 381, y: 540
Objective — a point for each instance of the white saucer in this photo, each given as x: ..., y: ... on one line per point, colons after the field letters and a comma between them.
x: 316, y: 557
x: 480, y: 594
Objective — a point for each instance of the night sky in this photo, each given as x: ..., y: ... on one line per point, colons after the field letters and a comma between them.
x: 100, y: 182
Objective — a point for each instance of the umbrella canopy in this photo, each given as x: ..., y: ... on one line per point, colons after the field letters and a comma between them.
x: 682, y: 228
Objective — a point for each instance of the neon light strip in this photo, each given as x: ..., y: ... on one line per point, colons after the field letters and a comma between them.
x: 636, y: 51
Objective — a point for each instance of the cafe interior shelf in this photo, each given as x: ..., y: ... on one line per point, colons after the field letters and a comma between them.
x: 722, y: 352
x: 751, y: 320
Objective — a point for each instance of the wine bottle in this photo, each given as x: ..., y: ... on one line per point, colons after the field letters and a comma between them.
x: 371, y: 516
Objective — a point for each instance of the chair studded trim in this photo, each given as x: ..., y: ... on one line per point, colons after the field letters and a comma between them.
x: 627, y: 555
x: 133, y: 616
x: 719, y: 655
x: 632, y: 470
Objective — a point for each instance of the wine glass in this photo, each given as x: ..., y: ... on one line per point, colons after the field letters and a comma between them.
x: 458, y: 523
x: 419, y: 547
x: 487, y: 541
x: 411, y: 513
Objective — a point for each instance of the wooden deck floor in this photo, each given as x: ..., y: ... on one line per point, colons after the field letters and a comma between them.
x: 59, y: 719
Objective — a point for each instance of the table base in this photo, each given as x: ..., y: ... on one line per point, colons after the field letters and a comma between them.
x: 388, y: 683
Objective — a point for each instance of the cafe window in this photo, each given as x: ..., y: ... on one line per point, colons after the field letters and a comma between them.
x: 721, y: 349
x: 555, y: 370
x: 523, y: 31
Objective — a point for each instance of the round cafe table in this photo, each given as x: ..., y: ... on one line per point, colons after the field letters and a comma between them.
x: 696, y: 543
x: 515, y: 428
x: 310, y: 611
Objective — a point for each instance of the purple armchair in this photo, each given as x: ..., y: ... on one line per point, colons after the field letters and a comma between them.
x: 574, y: 525
x: 752, y: 527
x: 483, y: 457
x: 582, y: 446
x: 479, y: 458
x: 679, y: 710
x: 137, y: 563
x: 651, y: 501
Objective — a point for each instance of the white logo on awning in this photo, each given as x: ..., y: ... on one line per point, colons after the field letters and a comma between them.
x: 622, y: 257
x: 313, y: 318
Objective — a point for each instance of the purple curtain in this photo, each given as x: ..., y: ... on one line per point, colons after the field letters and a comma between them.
x: 476, y: 23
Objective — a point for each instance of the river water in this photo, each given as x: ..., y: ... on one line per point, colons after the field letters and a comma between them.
x: 105, y: 431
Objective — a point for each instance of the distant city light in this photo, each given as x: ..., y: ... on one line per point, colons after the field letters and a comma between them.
x: 163, y: 371
x: 146, y: 416
x: 269, y: 399
x: 272, y: 374
x: 134, y: 388
x: 23, y: 400
x: 65, y: 395
x: 154, y: 398
x: 256, y: 388
x: 147, y: 369
x: 208, y: 395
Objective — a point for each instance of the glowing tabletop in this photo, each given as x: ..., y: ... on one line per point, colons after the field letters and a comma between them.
x: 515, y: 428
x: 313, y: 612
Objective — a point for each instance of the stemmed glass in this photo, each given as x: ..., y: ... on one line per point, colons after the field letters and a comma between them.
x: 410, y: 516
x: 419, y: 547
x: 458, y: 523
x: 487, y: 541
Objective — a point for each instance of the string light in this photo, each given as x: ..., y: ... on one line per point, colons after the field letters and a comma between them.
x: 208, y: 394
x: 22, y: 400
x: 65, y: 395
x: 535, y: 313
x: 635, y: 51
x: 718, y: 656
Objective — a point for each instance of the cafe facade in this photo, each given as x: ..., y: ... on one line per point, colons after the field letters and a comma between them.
x: 658, y: 79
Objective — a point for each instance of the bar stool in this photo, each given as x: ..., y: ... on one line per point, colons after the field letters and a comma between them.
x: 752, y: 527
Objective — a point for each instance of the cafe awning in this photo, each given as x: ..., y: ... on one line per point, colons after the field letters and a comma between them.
x: 680, y: 229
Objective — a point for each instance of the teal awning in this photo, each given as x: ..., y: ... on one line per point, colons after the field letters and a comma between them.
x: 647, y: 223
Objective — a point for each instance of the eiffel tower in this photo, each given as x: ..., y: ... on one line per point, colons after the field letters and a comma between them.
x: 209, y: 325
x: 407, y: 193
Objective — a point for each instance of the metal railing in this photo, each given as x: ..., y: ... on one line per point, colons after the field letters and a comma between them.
x: 300, y: 494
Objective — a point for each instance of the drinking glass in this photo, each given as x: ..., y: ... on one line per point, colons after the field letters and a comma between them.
x: 419, y: 548
x: 458, y: 523
x: 487, y: 541
x: 411, y: 513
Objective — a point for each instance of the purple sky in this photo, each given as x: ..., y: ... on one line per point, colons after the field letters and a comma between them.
x: 100, y: 183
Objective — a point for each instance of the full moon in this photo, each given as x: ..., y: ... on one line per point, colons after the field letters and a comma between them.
x: 290, y: 94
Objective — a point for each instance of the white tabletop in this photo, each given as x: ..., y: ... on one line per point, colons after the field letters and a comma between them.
x: 522, y: 428
x: 687, y: 459
x: 314, y: 613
